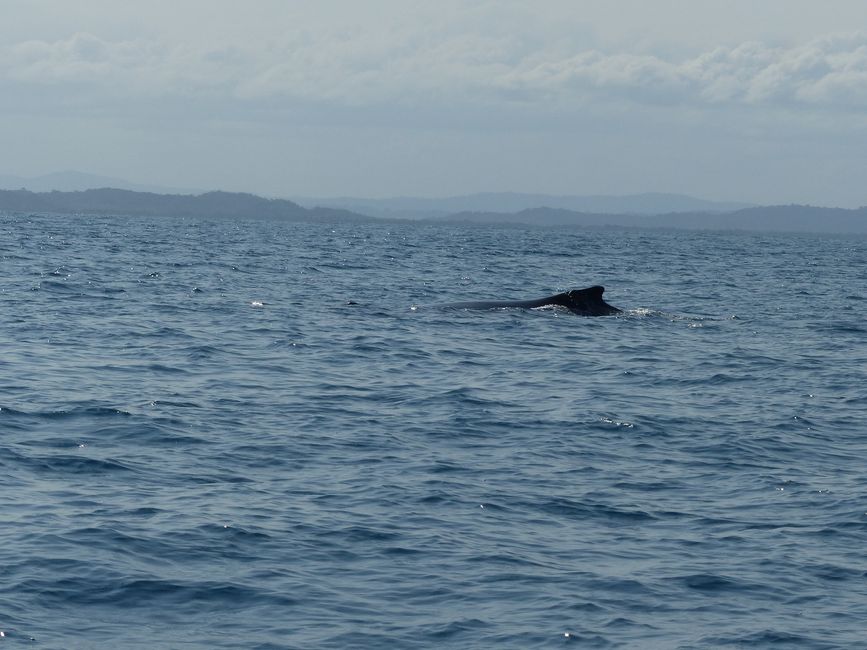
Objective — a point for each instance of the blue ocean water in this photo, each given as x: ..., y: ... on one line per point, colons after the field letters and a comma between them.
x: 203, y: 444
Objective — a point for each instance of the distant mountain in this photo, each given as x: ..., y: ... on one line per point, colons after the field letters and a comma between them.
x: 126, y: 202
x: 230, y: 204
x: 780, y: 218
x: 511, y: 202
x: 74, y: 181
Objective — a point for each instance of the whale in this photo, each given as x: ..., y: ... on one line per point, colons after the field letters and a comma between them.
x: 584, y: 302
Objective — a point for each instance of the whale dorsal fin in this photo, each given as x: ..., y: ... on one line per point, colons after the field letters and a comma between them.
x: 593, y: 293
x: 589, y: 301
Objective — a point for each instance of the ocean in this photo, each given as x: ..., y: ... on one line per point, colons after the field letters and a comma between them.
x: 259, y: 434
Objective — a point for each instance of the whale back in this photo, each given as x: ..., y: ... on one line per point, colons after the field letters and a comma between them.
x: 584, y: 302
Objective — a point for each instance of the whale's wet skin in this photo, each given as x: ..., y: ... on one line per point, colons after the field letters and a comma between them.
x: 584, y: 302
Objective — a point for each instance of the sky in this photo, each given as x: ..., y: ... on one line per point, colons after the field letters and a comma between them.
x: 729, y: 100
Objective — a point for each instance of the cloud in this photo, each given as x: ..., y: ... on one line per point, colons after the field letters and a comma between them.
x: 116, y: 68
x: 82, y: 57
x: 462, y: 70
x: 830, y: 72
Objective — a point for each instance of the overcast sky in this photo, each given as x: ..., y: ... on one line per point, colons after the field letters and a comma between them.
x: 761, y: 101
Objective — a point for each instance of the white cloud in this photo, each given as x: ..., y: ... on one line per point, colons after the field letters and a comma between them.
x: 460, y: 70
x: 828, y: 73
x: 82, y: 57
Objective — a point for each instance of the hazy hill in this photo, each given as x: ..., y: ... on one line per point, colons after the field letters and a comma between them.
x: 512, y: 202
x: 126, y: 202
x: 782, y: 218
x: 229, y: 204
x: 407, y: 207
x: 74, y: 181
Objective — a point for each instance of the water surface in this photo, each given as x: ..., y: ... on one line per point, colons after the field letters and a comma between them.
x: 204, y: 445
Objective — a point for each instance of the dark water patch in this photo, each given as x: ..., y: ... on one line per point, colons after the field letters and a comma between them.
x: 163, y: 368
x: 124, y: 593
x: 108, y: 290
x: 709, y: 583
x: 55, y: 286
x: 219, y: 477
x: 175, y: 404
x: 53, y: 443
x: 10, y: 414
x: 76, y: 413
x: 581, y: 510
x: 362, y: 534
x: 64, y: 464
x: 202, y: 352
x: 454, y: 629
x: 837, y: 573
x: 767, y: 639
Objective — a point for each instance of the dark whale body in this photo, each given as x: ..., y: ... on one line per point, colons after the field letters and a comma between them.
x: 584, y: 302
